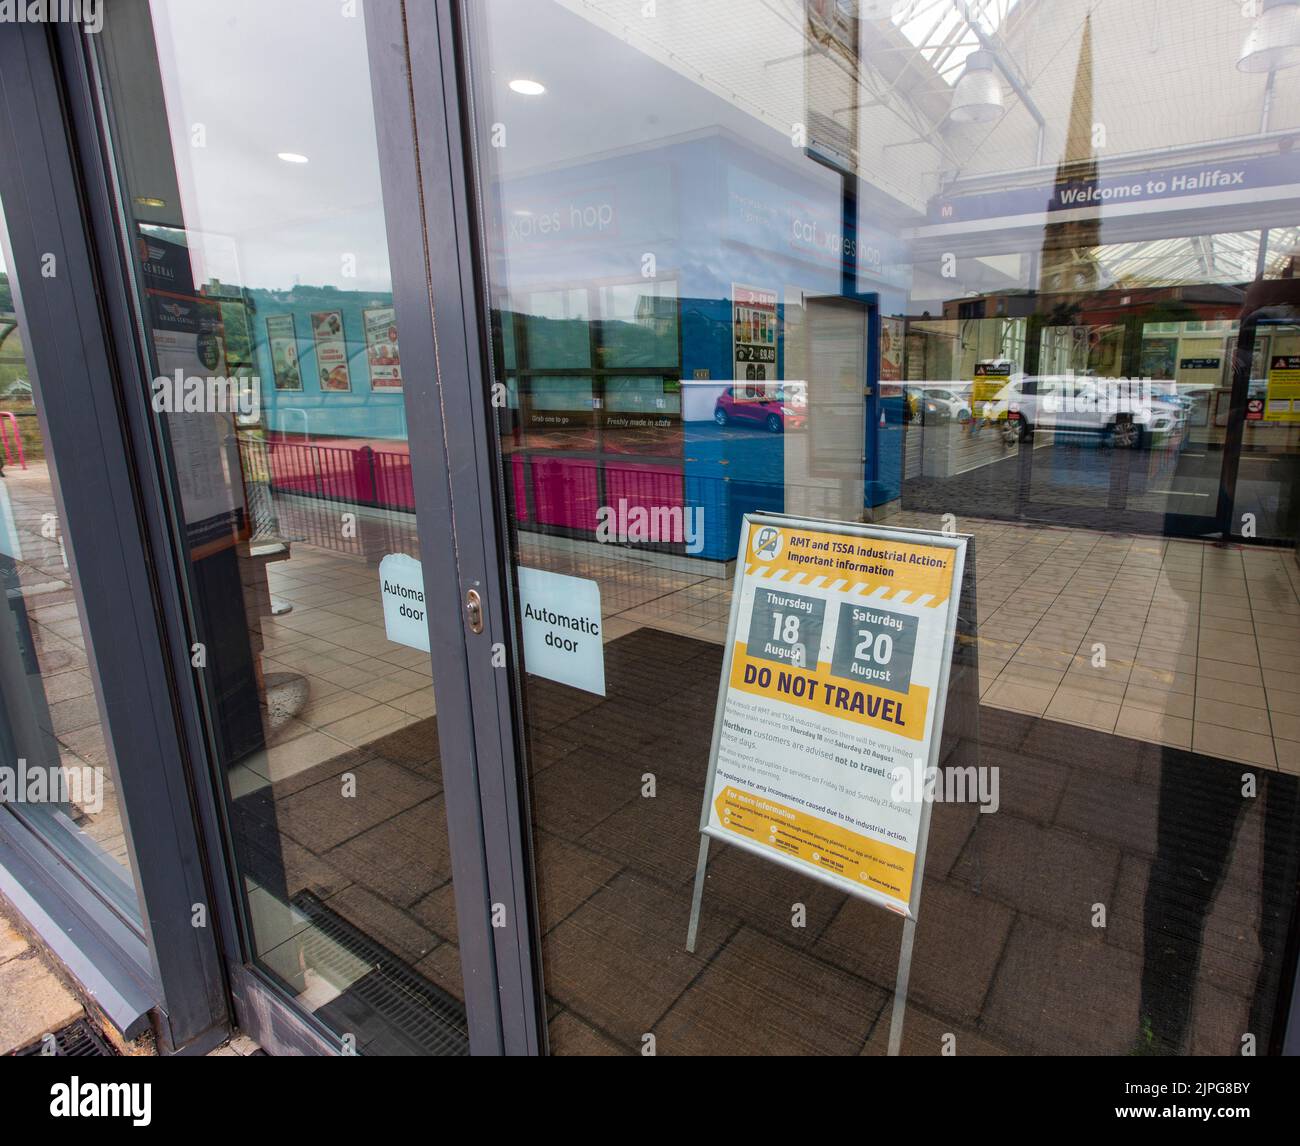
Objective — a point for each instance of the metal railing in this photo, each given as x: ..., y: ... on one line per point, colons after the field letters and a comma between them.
x: 301, y: 491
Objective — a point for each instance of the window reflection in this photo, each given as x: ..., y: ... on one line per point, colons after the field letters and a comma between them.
x: 937, y: 265
x: 56, y: 769
x: 261, y: 258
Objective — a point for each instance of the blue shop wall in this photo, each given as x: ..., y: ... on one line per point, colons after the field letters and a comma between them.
x: 361, y: 413
x: 714, y: 212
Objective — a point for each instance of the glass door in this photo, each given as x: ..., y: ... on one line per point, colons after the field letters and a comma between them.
x: 863, y: 265
x: 291, y: 402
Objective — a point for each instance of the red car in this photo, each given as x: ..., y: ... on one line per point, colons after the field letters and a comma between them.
x: 771, y: 410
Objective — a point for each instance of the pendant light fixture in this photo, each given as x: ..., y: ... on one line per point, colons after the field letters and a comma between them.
x: 977, y: 96
x: 1274, y: 40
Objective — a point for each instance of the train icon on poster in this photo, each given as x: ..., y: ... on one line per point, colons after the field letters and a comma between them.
x: 767, y: 543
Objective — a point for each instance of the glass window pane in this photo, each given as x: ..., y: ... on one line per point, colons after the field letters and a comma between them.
x: 928, y: 265
x: 55, y: 764
x: 639, y: 326
x: 253, y: 203
x: 557, y: 328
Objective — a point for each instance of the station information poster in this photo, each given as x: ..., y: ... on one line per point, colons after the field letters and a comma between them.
x: 989, y: 378
x: 831, y: 701
x: 189, y: 341
x: 1282, y: 403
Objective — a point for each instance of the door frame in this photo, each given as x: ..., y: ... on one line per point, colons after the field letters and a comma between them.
x: 435, y: 250
x: 414, y: 78
x: 167, y: 975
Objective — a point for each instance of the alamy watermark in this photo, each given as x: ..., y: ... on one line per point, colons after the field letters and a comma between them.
x: 949, y: 785
x: 1084, y: 394
x: 88, y: 13
x: 635, y: 524
x: 180, y: 393
x: 56, y: 784
x: 77, y: 1099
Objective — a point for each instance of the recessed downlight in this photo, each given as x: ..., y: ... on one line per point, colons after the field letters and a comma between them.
x: 527, y: 87
x: 291, y: 156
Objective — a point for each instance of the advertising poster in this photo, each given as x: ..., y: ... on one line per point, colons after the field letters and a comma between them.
x: 381, y: 348
x: 1158, y: 357
x: 891, y: 356
x: 331, y: 351
x: 282, y: 340
x: 831, y: 701
x: 753, y: 338
x: 1282, y: 402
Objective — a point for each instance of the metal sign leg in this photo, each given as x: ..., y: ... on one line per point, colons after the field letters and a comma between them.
x: 900, y: 987
x: 697, y: 896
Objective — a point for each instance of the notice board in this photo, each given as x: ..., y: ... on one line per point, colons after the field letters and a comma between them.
x: 832, y: 698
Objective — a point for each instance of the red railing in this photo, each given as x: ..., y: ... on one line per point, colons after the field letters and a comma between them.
x: 357, y: 475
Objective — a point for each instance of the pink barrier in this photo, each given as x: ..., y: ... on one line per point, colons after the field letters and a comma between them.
x: 359, y: 475
x: 658, y: 486
x: 7, y: 423
x: 566, y: 492
x: 563, y: 492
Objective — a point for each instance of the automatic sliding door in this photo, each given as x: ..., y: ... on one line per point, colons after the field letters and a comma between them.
x: 1045, y: 371
x: 273, y: 356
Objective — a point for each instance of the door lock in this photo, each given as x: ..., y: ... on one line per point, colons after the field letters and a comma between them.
x: 474, y: 611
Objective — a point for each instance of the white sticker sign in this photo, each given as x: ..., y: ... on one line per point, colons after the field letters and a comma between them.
x: 561, y: 623
x: 401, y: 588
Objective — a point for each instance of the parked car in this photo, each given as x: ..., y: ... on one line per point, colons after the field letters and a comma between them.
x: 941, y: 404
x: 1119, y: 413
x: 771, y: 409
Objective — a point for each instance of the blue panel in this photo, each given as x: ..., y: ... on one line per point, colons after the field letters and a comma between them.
x: 360, y: 413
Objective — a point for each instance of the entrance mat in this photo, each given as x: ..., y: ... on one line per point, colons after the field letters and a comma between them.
x: 77, y: 1040
x: 392, y: 1010
x: 1198, y: 883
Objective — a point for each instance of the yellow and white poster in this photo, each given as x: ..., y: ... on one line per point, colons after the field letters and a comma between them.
x: 1282, y: 402
x: 989, y: 378
x: 831, y: 702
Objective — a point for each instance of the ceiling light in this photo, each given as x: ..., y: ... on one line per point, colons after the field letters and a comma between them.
x: 526, y: 87
x: 977, y: 97
x: 1274, y: 41
x: 291, y: 157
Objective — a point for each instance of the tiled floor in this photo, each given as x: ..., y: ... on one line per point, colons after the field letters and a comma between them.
x: 1171, y: 642
x: 33, y: 1000
x: 1008, y: 958
x: 1199, y: 667
x: 361, y: 686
